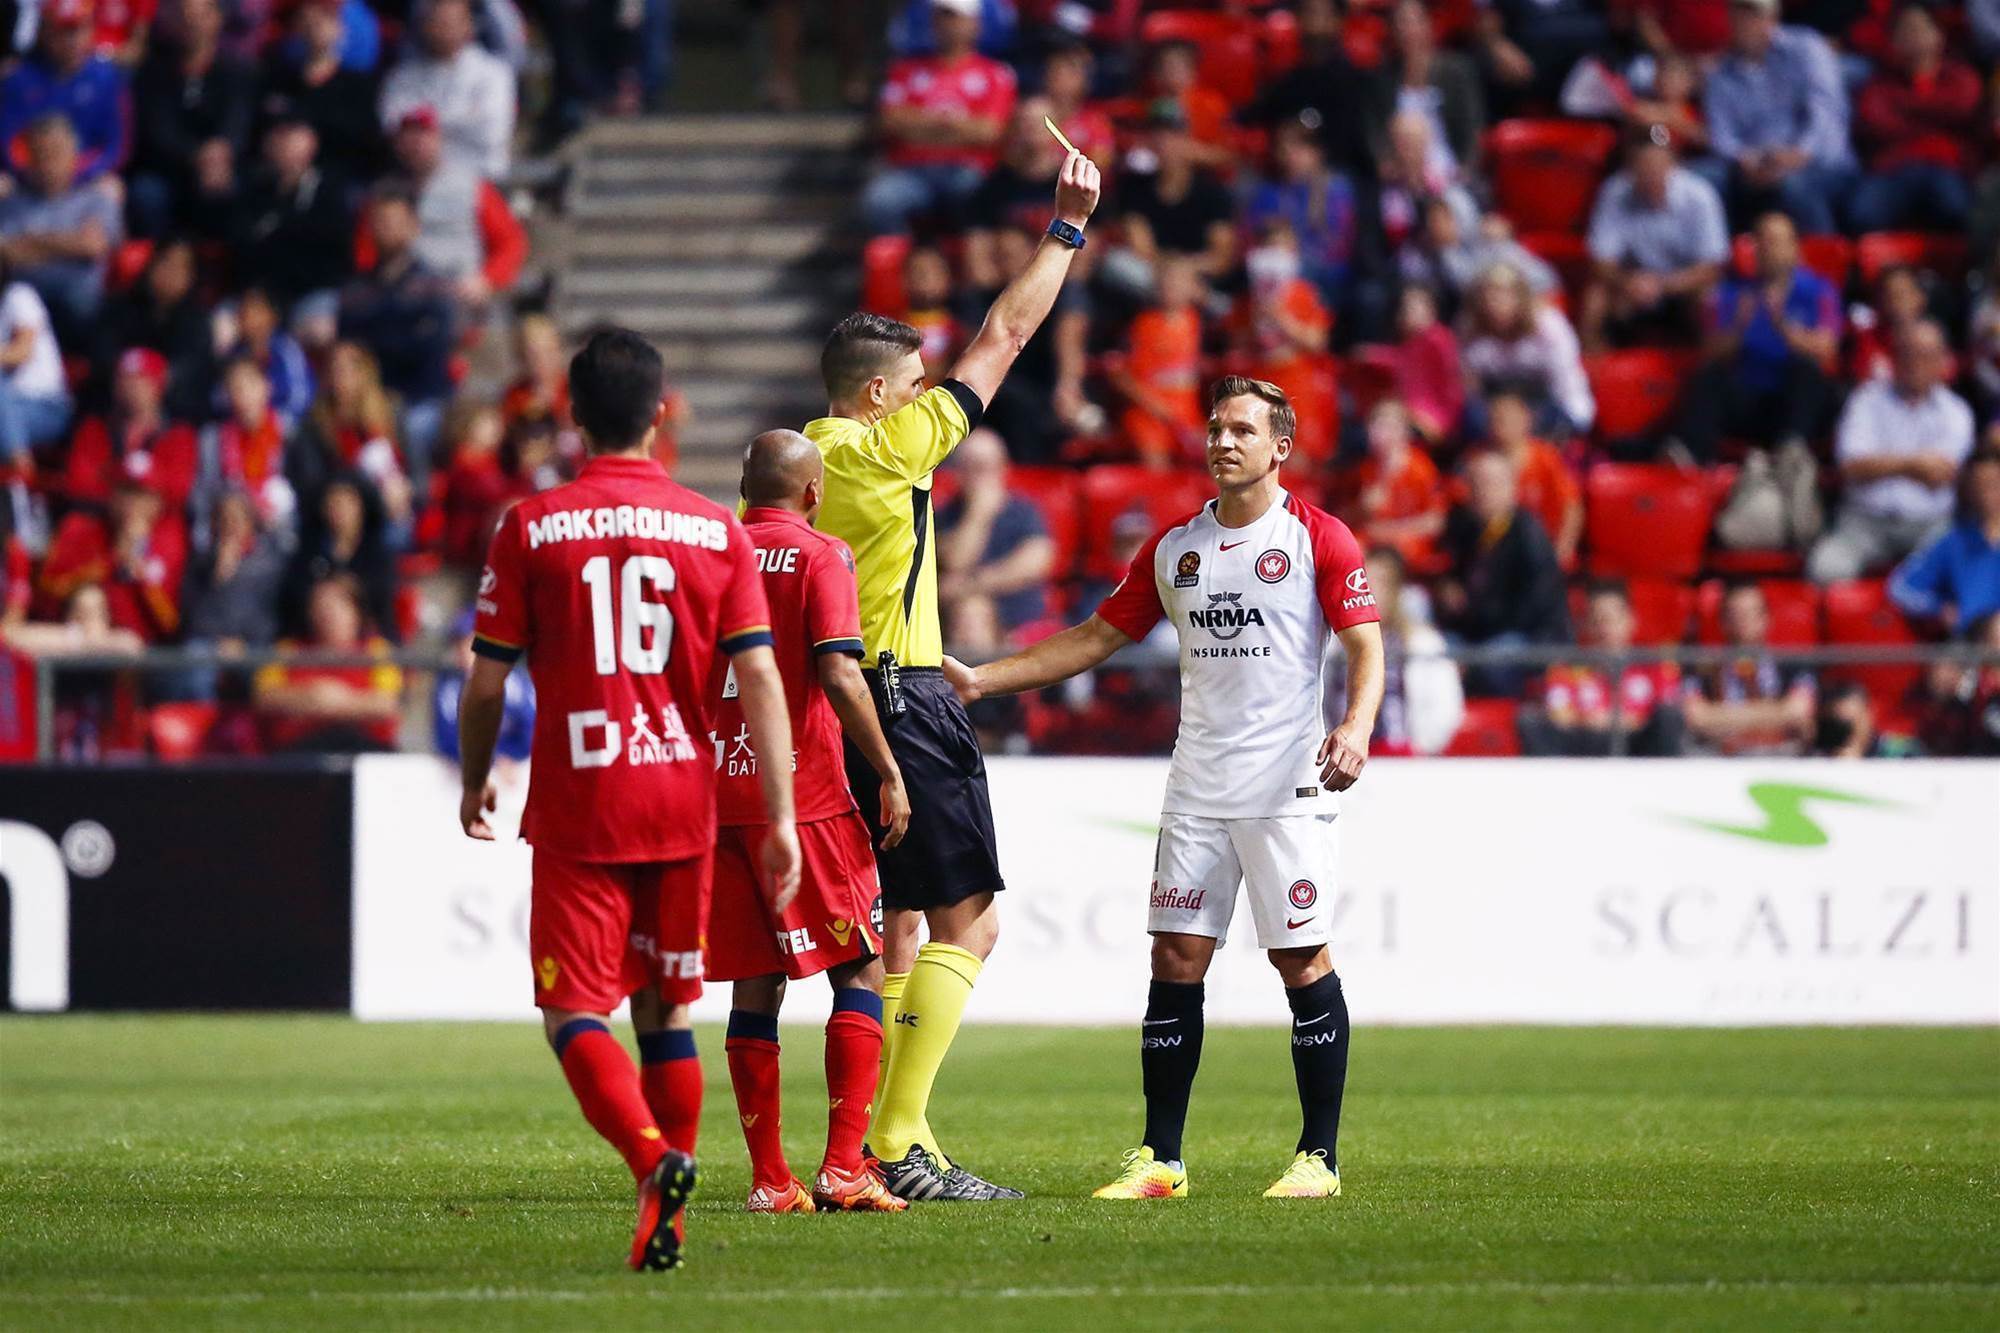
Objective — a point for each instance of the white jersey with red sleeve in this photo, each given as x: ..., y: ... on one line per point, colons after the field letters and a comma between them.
x: 1255, y: 608
x: 620, y: 588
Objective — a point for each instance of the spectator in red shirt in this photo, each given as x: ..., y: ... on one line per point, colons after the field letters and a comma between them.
x: 1425, y: 365
x: 137, y: 553
x: 477, y: 486
x: 134, y: 440
x: 1685, y: 27
x: 1916, y: 122
x: 1066, y: 75
x: 1901, y: 303
x: 332, y: 709
x: 248, y: 449
x: 942, y: 119
x: 121, y: 27
x: 1583, y: 708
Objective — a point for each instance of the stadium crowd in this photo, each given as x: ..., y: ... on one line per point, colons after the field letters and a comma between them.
x: 1610, y: 323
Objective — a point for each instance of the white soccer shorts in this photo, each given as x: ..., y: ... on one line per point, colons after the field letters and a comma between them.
x: 1286, y: 863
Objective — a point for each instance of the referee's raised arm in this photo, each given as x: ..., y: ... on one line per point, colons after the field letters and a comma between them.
x: 1026, y: 301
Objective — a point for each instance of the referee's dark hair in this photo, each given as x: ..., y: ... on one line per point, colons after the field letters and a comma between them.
x: 1284, y: 420
x: 615, y: 386
x: 861, y: 347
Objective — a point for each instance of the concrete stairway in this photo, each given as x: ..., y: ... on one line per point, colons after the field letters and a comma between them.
x: 729, y: 241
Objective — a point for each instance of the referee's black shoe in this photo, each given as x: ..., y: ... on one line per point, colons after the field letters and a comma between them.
x: 915, y: 1178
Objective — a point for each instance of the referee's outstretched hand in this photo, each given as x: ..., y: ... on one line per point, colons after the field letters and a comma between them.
x: 1077, y: 189
x: 1341, y: 758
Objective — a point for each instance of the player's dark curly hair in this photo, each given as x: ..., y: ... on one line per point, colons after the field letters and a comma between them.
x: 1284, y: 420
x: 615, y: 386
x: 861, y: 347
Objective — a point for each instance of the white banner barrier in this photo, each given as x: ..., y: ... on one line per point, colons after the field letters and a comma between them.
x: 1674, y: 892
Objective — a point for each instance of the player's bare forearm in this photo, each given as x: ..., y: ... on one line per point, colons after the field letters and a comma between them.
x: 1026, y: 301
x: 1366, y: 671
x: 1056, y: 658
x: 481, y: 706
x: 770, y: 721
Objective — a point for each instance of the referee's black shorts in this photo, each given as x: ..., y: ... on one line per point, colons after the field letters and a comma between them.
x: 948, y: 854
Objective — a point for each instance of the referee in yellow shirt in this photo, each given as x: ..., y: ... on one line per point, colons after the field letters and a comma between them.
x: 882, y: 437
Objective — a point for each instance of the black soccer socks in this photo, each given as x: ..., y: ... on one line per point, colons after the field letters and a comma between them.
x: 1319, y: 1061
x: 1169, y: 1053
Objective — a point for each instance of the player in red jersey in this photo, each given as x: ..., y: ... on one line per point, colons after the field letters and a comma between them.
x: 835, y: 924
x: 620, y: 587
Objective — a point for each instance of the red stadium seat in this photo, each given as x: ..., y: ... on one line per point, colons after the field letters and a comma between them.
x: 1057, y: 493
x: 882, y: 275
x: 1363, y: 39
x: 1794, y: 606
x: 1636, y: 391
x: 1645, y: 520
x: 1546, y: 172
x: 1232, y: 50
x: 1829, y: 256
x: 1859, y: 611
x: 1487, y: 731
x: 1114, y: 489
x: 128, y: 261
x: 179, y: 731
x: 1941, y: 254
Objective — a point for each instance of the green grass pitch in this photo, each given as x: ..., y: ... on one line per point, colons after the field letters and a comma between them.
x: 165, y: 1173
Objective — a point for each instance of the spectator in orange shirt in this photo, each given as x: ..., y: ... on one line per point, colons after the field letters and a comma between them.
x: 1165, y: 421
x: 1395, y: 497
x: 1174, y: 70
x: 927, y: 289
x: 1548, y: 488
x: 134, y: 440
x: 1285, y: 328
x: 332, y: 709
x: 136, y: 554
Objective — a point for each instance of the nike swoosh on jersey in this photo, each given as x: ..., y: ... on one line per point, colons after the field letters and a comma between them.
x: 1230, y: 546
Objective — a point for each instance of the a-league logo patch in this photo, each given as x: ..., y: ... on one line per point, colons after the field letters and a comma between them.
x: 1303, y: 894
x: 1273, y: 565
x: 1187, y: 569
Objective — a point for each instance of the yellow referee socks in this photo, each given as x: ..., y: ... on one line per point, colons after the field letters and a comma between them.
x: 926, y: 1022
x: 892, y: 1004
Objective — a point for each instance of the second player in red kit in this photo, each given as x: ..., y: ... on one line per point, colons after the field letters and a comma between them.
x: 834, y: 925
x: 620, y: 588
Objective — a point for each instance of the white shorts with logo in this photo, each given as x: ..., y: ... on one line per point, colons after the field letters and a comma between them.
x: 1286, y: 864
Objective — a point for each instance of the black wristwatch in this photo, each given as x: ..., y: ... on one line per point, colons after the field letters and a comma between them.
x: 1069, y: 235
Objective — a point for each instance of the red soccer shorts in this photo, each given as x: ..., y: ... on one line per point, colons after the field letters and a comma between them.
x: 599, y: 931
x: 832, y: 921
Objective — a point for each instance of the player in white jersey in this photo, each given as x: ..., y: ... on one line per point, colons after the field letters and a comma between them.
x: 1254, y: 583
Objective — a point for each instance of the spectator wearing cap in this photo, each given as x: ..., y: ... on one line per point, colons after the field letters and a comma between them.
x: 1899, y: 447
x: 1322, y: 208
x: 1510, y: 340
x: 1659, y: 239
x: 942, y: 117
x: 466, y: 233
x: 471, y: 90
x: 402, y: 312
x: 1917, y: 120
x: 34, y: 395
x: 1175, y: 209
x: 309, y: 78
x: 162, y: 311
x: 135, y: 440
x: 995, y: 555
x: 1324, y: 82
x: 193, y: 104
x: 1778, y: 121
x: 1770, y: 339
x: 1439, y: 85
x: 294, y: 230
x: 1750, y: 704
x: 134, y: 547
x: 58, y: 233
x: 64, y: 76
x: 331, y: 709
